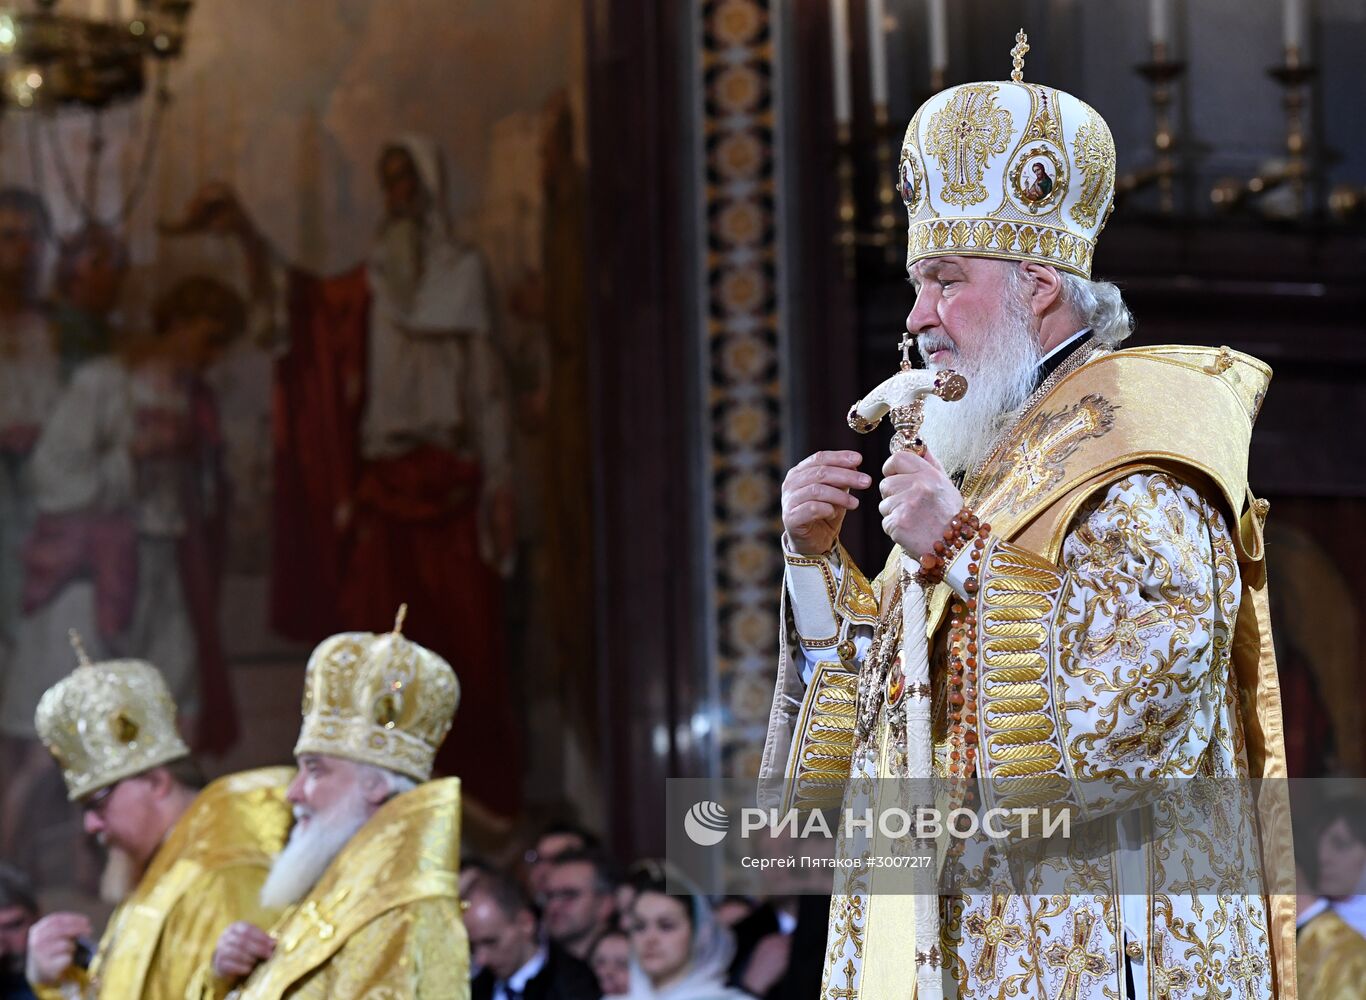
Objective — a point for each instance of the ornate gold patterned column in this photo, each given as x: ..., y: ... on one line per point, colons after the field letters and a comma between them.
x: 743, y: 363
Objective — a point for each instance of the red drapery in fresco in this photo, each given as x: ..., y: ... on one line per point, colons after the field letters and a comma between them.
x: 354, y: 538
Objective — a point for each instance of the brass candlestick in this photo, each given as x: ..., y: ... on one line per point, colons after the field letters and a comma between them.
x: 1294, y: 77
x: 1161, y: 72
x: 846, y: 236
x: 885, y: 231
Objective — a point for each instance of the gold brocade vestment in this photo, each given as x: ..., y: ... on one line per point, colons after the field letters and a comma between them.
x: 207, y: 874
x: 1332, y: 960
x: 384, y: 920
x: 1125, y: 657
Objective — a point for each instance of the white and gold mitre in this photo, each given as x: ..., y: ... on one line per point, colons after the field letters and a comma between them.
x: 378, y: 699
x: 1012, y: 170
x: 108, y: 721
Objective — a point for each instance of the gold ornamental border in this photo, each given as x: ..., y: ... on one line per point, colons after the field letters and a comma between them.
x: 742, y: 358
x: 1002, y: 238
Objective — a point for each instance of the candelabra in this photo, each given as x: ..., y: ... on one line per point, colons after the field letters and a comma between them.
x: 885, y: 229
x: 887, y: 232
x: 52, y: 61
x: 1294, y: 77
x: 1161, y: 72
x: 847, y: 212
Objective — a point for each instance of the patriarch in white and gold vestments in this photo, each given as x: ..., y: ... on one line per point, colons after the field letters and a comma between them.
x: 1100, y: 645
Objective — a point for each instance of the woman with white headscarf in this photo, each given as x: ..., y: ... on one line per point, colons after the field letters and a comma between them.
x: 678, y: 949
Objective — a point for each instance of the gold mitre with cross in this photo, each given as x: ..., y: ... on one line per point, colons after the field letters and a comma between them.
x: 108, y: 721
x: 1013, y: 170
x: 378, y: 699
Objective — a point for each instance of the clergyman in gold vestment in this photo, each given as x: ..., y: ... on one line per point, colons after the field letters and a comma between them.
x: 1099, y: 644
x: 200, y: 859
x: 370, y: 872
x: 1330, y: 954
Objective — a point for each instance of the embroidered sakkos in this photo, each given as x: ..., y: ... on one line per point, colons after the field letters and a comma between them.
x: 1127, y: 676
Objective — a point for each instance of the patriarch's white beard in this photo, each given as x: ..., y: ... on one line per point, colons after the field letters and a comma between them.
x: 311, y: 849
x: 1000, y: 377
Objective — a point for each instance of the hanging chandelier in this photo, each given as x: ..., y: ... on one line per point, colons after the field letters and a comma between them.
x: 52, y: 61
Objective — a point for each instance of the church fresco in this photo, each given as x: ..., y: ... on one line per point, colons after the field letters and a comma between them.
x: 181, y: 322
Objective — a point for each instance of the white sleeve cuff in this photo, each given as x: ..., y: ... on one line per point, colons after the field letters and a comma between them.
x: 956, y: 573
x: 813, y: 590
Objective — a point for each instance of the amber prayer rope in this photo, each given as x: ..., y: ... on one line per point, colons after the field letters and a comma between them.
x: 963, y: 528
x: 963, y: 736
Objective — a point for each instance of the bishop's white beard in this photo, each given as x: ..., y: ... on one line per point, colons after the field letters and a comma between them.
x: 1000, y: 378
x: 311, y: 849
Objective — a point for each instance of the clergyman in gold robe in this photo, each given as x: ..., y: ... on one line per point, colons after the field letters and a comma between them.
x: 370, y: 872
x: 199, y: 858
x: 1330, y: 954
x: 1099, y: 644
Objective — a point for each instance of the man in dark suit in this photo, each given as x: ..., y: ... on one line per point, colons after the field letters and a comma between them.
x: 779, y: 948
x: 579, y: 900
x: 506, y: 946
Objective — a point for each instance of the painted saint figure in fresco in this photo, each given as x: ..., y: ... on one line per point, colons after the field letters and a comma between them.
x: 30, y: 381
x: 30, y: 378
x: 391, y: 471
x: 91, y: 266
x: 130, y: 497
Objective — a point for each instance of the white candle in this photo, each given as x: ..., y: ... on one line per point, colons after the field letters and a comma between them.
x: 1159, y: 21
x: 877, y: 51
x: 939, y: 36
x: 1294, y: 25
x: 839, y: 46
